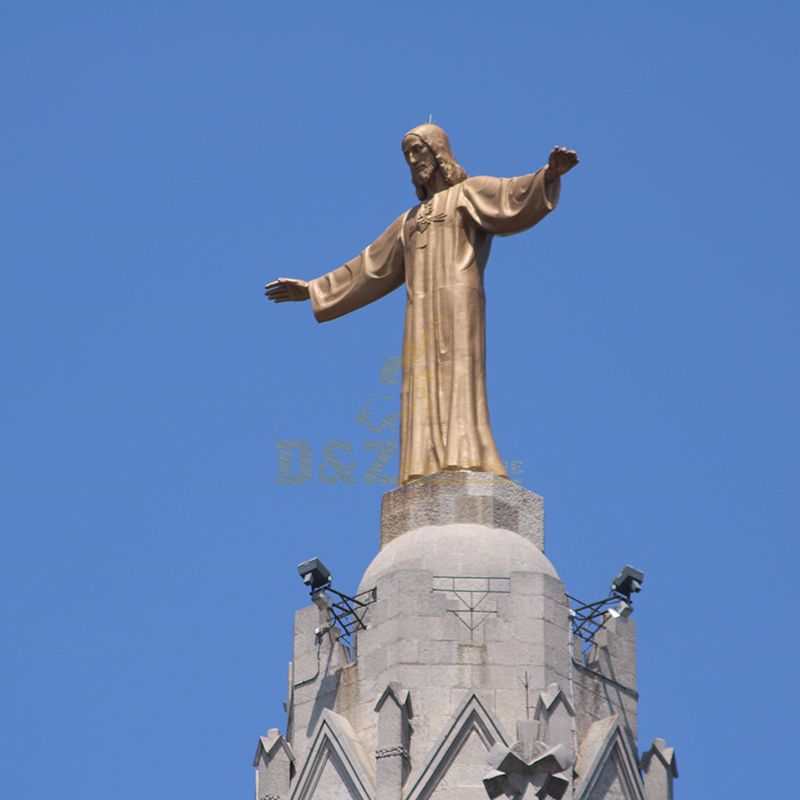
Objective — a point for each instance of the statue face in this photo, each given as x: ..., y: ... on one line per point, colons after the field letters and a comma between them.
x: 420, y: 159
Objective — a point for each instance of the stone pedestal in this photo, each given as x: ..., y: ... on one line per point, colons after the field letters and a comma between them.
x: 468, y: 640
x: 448, y: 498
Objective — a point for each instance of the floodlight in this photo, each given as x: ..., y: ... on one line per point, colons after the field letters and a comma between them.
x: 321, y: 600
x: 314, y: 573
x: 628, y: 581
x: 622, y: 609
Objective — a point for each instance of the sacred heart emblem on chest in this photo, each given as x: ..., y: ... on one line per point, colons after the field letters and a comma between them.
x: 423, y: 219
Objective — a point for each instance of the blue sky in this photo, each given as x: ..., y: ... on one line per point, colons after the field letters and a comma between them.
x: 161, y: 161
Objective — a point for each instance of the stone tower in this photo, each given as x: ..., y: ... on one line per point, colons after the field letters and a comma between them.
x: 466, y: 679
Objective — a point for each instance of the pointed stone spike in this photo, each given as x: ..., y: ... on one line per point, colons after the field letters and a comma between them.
x: 394, y: 738
x: 547, y: 700
x: 275, y: 764
x: 660, y: 769
x: 401, y: 696
x: 555, y: 713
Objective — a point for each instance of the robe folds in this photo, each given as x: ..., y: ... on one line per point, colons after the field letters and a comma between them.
x: 439, y: 249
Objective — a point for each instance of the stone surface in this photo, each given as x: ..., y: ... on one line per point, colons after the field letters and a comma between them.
x: 336, y: 767
x: 471, y: 626
x: 479, y: 498
x: 275, y: 766
x: 607, y: 767
x: 606, y: 683
x: 458, y: 757
x: 529, y: 767
x: 460, y: 607
x: 463, y: 550
x: 555, y: 716
x: 660, y: 769
x: 394, y: 711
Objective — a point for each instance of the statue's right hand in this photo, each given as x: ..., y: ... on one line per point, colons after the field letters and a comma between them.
x: 284, y: 290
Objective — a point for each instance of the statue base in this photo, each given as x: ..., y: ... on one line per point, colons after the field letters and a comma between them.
x: 479, y: 498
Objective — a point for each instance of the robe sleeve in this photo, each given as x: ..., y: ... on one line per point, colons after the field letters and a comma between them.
x: 372, y: 274
x: 502, y: 206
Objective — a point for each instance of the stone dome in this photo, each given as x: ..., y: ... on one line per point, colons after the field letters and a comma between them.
x: 458, y: 550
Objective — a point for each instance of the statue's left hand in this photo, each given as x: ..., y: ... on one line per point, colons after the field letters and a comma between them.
x: 561, y: 162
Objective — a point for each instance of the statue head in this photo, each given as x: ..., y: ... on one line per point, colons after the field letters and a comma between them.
x: 427, y: 151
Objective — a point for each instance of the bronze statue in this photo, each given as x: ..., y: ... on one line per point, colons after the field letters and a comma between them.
x: 439, y: 249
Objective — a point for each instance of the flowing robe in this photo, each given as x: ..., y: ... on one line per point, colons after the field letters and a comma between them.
x: 439, y: 249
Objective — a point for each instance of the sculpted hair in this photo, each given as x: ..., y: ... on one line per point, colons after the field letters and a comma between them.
x: 452, y: 171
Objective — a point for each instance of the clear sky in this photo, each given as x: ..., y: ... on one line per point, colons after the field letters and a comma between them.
x: 161, y: 160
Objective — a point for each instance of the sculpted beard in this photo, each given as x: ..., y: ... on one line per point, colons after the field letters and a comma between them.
x: 422, y: 173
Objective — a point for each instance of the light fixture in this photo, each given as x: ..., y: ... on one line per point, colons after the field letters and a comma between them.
x: 622, y: 609
x: 315, y: 574
x: 628, y: 581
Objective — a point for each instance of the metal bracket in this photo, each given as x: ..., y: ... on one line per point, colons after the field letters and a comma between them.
x: 348, y: 612
x: 588, y: 618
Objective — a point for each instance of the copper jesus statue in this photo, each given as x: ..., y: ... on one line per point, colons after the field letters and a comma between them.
x: 439, y: 249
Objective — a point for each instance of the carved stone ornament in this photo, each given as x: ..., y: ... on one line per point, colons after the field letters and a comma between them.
x: 528, y: 769
x: 388, y: 752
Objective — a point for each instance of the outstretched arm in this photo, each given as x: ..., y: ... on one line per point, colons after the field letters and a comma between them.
x: 375, y: 272
x: 502, y: 206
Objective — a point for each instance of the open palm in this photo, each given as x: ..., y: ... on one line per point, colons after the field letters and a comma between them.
x: 285, y: 290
